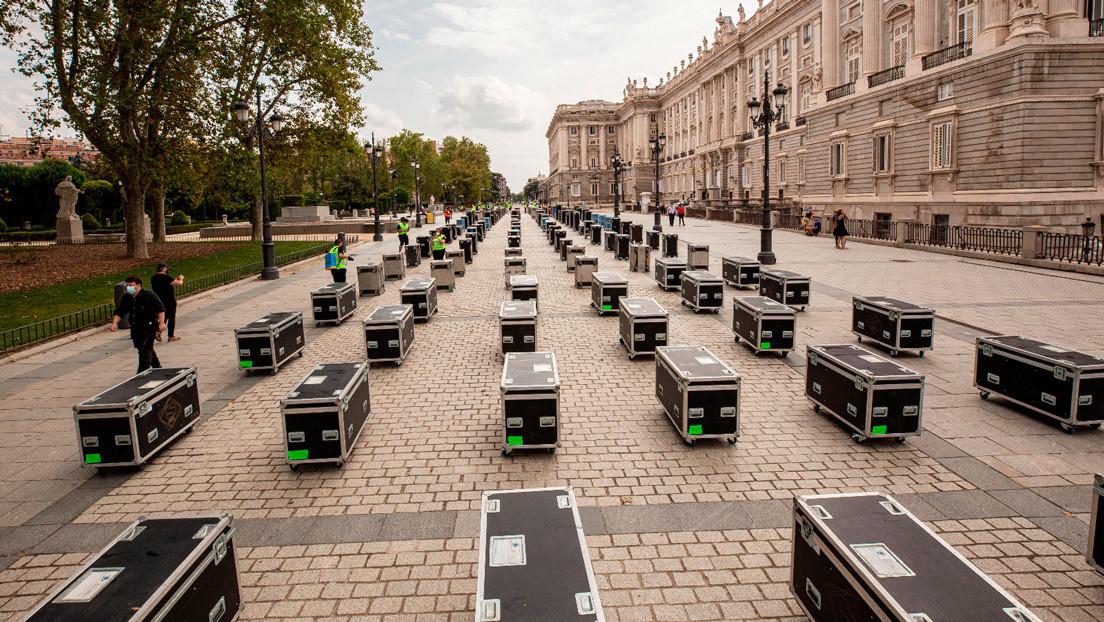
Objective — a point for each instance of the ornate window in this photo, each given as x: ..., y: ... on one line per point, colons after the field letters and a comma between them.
x: 576, y: 190
x: 852, y: 57
x: 899, y: 35
x: 807, y: 33
x: 942, y: 145
x: 837, y: 162
x: 965, y: 21
x: 574, y: 130
x: 883, y: 152
x: 785, y: 47
x: 805, y: 96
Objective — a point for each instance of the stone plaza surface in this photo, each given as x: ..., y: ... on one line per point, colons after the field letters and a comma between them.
x: 675, y: 532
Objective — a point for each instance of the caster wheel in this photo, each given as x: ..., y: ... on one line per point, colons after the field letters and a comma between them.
x: 732, y: 441
x: 272, y: 372
x: 551, y: 450
x: 341, y: 464
x: 293, y: 467
x: 300, y: 353
x: 899, y: 440
x: 632, y: 357
x: 504, y: 452
x: 785, y: 353
x: 858, y: 339
x: 689, y: 442
x: 248, y: 373
x: 716, y: 311
x: 921, y: 354
x: 893, y: 353
x: 984, y: 395
x: 188, y: 430
x: 858, y: 438
x: 1068, y: 429
x: 816, y: 408
x: 757, y: 353
x: 1094, y: 426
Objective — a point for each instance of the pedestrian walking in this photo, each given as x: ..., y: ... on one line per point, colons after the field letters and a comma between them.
x: 438, y: 245
x: 147, y: 321
x: 682, y: 214
x: 404, y: 232
x: 839, y: 228
x: 336, y: 261
x: 671, y: 212
x: 448, y: 216
x: 164, y: 285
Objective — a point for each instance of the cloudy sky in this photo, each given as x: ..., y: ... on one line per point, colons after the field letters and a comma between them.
x: 495, y: 70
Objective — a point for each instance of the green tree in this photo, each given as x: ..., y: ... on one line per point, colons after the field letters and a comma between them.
x: 99, y: 199
x: 467, y: 167
x: 531, y: 191
x: 12, y: 181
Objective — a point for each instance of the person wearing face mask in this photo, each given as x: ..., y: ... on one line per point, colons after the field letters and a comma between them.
x: 147, y: 321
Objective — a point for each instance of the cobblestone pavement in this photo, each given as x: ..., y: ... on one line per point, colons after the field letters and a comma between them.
x: 676, y: 533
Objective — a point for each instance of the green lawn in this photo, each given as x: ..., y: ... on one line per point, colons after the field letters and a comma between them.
x: 42, y: 303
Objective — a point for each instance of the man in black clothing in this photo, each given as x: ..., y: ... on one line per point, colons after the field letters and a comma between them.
x: 147, y: 321
x: 164, y: 285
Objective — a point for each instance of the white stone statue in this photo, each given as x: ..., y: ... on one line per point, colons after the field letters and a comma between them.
x: 740, y: 12
x: 67, y: 194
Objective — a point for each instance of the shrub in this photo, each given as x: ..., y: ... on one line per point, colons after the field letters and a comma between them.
x: 312, y: 198
x: 291, y: 200
x: 179, y: 218
x: 28, y: 236
x: 337, y: 206
x: 172, y: 230
x: 90, y: 222
x: 3, y: 226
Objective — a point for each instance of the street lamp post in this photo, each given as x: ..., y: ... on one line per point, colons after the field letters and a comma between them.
x: 417, y: 194
x: 658, y: 142
x: 260, y: 131
x: 763, y: 115
x: 376, y: 151
x: 394, y: 181
x: 618, y: 169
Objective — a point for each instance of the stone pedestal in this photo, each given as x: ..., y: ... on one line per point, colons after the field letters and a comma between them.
x: 1028, y: 21
x: 645, y: 202
x: 70, y: 230
x: 1032, y: 242
x: 314, y: 213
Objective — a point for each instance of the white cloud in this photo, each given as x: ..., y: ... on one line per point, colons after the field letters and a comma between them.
x: 381, y: 121
x: 486, y: 102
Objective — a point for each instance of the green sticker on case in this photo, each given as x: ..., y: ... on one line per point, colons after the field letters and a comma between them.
x: 695, y: 430
x: 298, y: 454
x: 765, y: 345
x: 878, y: 429
x: 246, y: 364
x: 514, y: 440
x: 607, y: 307
x: 92, y: 459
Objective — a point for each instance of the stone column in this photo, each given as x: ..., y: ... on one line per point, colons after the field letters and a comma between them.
x: 717, y: 106
x: 830, y: 50
x: 565, y: 156
x: 729, y: 103
x: 994, y: 25
x: 1064, y: 20
x: 584, y: 147
x: 925, y: 27
x: 872, y: 36
x: 602, y: 138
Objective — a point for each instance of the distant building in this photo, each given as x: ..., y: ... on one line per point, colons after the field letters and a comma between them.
x: 964, y: 111
x: 26, y: 151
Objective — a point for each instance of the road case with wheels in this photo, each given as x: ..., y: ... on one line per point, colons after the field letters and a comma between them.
x: 481, y: 229
x: 699, y: 393
x: 333, y: 303
x: 786, y: 287
x: 895, y: 324
x: 389, y: 333
x: 171, y: 569
x: 561, y: 236
x: 524, y: 287
x: 668, y: 272
x: 441, y: 271
x: 636, y: 234
x: 370, y: 279
x: 266, y: 343
x: 513, y: 241
x: 530, y: 402
x: 670, y: 245
x: 423, y: 246
x: 740, y: 272
x: 610, y: 238
x: 1050, y: 380
x: 564, y: 245
x: 606, y: 288
x: 763, y: 324
x: 458, y: 265
x: 653, y: 240
x: 622, y: 247
x: 413, y: 256
x: 863, y: 556
x: 512, y: 252
x: 640, y: 256
x: 697, y: 256
x: 573, y: 253
x: 533, y: 560
x: 133, y: 420
x: 421, y: 293
x: 595, y: 234
x: 585, y: 267
x: 511, y: 266
x: 873, y: 396
x: 393, y: 266
x: 325, y: 413
x: 1095, y: 552
x: 474, y: 240
x: 642, y: 324
x: 702, y: 290
x: 466, y: 248
x: 517, y: 326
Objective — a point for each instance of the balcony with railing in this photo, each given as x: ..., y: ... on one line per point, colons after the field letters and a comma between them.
x: 886, y: 76
x: 747, y: 136
x: 1096, y: 27
x: 842, y: 90
x: 947, y: 55
x: 799, y: 121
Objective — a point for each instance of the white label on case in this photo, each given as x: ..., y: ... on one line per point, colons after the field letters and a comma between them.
x: 871, y: 358
x: 542, y: 367
x: 507, y: 551
x: 995, y: 379
x: 882, y: 561
x: 91, y: 583
x: 315, y: 380
x: 151, y: 385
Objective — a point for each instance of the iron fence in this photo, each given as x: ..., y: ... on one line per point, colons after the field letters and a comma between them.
x: 947, y: 55
x: 995, y: 240
x: 885, y: 76
x: 30, y: 334
x: 1072, y: 248
x: 871, y: 229
x: 840, y: 91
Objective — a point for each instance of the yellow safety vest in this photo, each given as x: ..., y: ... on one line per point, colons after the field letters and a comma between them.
x: 438, y: 242
x: 403, y: 228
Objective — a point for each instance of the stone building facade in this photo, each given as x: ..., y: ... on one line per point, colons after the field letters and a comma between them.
x: 936, y: 111
x: 26, y: 151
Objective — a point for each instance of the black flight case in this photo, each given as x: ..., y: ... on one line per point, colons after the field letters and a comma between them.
x: 872, y: 395
x: 413, y: 255
x: 699, y: 393
x: 595, y: 234
x: 325, y: 413
x: 697, y: 256
x: 530, y: 402
x: 458, y: 262
x: 393, y: 266
x: 605, y: 290
x: 642, y: 325
x: 1052, y: 381
x: 863, y: 556
x: 421, y: 293
x: 533, y: 560
x: 268, y: 342
x: 786, y: 287
x: 653, y: 239
x: 622, y: 249
x: 585, y: 267
x: 740, y: 272
x: 670, y: 245
x: 157, y: 569
x: 389, y: 333
x: 370, y: 281
x: 1095, y: 552
x: 524, y: 287
x: 764, y: 324
x: 333, y: 303
x: 133, y: 420
x: 668, y: 272
x: 517, y: 323
x: 895, y: 324
x: 702, y: 290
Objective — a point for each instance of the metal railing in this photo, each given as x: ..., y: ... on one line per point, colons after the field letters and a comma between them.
x: 799, y: 121
x: 1072, y: 248
x: 997, y: 240
x: 870, y: 229
x: 947, y: 55
x: 30, y: 334
x: 886, y: 76
x: 1096, y: 28
x: 840, y: 91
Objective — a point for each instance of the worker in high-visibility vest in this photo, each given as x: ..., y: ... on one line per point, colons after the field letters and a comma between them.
x: 336, y: 262
x: 404, y: 232
x: 438, y: 244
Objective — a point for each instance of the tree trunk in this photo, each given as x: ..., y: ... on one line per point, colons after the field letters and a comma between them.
x: 134, y: 201
x: 257, y: 219
x: 158, y: 217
